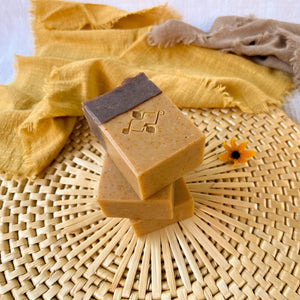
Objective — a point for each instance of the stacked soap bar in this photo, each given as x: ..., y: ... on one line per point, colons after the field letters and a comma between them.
x: 150, y: 146
x: 117, y: 199
x: 183, y: 209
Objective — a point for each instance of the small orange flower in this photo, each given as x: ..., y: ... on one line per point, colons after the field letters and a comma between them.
x: 236, y: 153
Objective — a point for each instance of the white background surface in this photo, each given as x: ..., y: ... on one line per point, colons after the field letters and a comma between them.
x: 16, y: 38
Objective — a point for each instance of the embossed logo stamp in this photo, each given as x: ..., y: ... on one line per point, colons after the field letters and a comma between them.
x: 143, y: 122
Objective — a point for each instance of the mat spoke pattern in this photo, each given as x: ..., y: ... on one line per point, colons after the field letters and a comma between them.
x: 243, y: 241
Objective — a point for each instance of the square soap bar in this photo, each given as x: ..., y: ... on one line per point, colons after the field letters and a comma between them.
x: 117, y: 198
x: 183, y: 209
x: 149, y: 139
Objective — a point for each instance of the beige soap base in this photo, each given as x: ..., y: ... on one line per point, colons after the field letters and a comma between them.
x: 242, y: 242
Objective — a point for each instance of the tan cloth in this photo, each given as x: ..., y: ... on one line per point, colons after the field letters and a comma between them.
x: 84, y: 50
x: 269, y: 42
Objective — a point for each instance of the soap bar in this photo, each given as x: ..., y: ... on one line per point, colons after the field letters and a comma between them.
x: 149, y: 139
x: 183, y: 209
x: 117, y: 198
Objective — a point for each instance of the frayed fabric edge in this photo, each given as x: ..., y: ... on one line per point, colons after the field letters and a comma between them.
x: 164, y: 40
x: 295, y: 62
x: 212, y: 85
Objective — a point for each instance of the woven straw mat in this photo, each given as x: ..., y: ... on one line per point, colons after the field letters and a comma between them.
x: 241, y: 243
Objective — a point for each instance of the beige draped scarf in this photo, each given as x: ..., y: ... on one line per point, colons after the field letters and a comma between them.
x: 269, y: 42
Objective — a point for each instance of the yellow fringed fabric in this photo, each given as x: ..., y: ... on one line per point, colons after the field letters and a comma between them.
x: 84, y: 50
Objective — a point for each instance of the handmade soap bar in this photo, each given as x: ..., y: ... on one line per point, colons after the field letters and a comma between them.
x: 183, y: 209
x: 149, y: 139
x: 117, y: 198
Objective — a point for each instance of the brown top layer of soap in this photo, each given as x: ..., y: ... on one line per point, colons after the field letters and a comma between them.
x: 131, y: 93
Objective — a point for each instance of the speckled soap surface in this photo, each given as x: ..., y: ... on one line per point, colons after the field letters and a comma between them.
x: 153, y: 159
x: 183, y: 209
x: 117, y: 198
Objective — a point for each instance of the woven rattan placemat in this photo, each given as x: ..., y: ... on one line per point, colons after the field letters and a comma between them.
x: 242, y: 243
